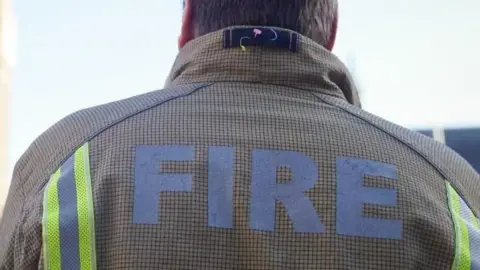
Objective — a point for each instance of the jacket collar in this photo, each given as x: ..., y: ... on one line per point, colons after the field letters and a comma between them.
x: 311, y: 67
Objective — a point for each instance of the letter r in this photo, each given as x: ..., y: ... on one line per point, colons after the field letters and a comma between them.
x: 266, y: 191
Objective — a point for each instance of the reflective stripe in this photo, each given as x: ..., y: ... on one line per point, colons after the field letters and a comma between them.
x: 68, y: 216
x: 467, y: 233
x: 67, y: 194
x: 86, y: 222
x: 51, y: 224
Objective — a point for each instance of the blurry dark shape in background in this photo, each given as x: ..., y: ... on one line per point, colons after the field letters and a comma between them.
x: 465, y: 141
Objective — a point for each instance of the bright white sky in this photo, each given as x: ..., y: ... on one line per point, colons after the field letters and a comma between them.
x: 417, y: 61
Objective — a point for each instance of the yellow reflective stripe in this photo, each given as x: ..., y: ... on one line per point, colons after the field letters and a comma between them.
x: 68, y: 216
x: 462, y: 260
x: 85, y: 211
x: 51, y: 224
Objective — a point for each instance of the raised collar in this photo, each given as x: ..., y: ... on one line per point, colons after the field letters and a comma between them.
x: 213, y: 58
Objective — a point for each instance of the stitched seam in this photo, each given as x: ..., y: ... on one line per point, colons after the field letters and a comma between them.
x: 120, y: 120
x: 342, y: 97
x: 439, y: 170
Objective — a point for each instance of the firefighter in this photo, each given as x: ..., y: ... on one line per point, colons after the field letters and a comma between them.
x: 255, y: 155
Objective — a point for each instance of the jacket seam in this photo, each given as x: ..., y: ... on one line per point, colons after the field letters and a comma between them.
x: 411, y: 147
x: 309, y: 90
x: 120, y: 120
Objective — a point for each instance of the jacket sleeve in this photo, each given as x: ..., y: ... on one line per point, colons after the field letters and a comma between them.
x: 9, y: 225
x: 20, y: 225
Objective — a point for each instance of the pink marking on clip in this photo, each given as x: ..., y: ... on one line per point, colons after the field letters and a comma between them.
x: 257, y: 32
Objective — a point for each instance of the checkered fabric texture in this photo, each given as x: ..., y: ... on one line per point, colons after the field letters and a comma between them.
x: 262, y: 98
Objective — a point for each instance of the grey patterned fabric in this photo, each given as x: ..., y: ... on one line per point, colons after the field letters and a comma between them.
x: 261, y: 98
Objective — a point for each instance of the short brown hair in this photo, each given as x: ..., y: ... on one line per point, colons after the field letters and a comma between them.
x: 311, y: 18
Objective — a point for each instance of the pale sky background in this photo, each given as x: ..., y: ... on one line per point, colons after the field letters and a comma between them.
x: 417, y: 61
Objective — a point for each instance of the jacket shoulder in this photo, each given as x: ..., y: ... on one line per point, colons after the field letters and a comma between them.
x: 451, y: 166
x: 57, y: 143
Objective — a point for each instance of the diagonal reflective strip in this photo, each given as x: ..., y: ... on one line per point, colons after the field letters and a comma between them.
x: 85, y: 211
x: 68, y: 217
x: 473, y: 234
x: 467, y: 233
x: 69, y: 234
x: 51, y: 225
x: 462, y: 252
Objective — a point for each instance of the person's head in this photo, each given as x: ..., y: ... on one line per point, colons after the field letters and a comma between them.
x: 316, y: 19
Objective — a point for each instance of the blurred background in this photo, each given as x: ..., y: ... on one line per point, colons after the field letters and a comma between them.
x: 415, y: 62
